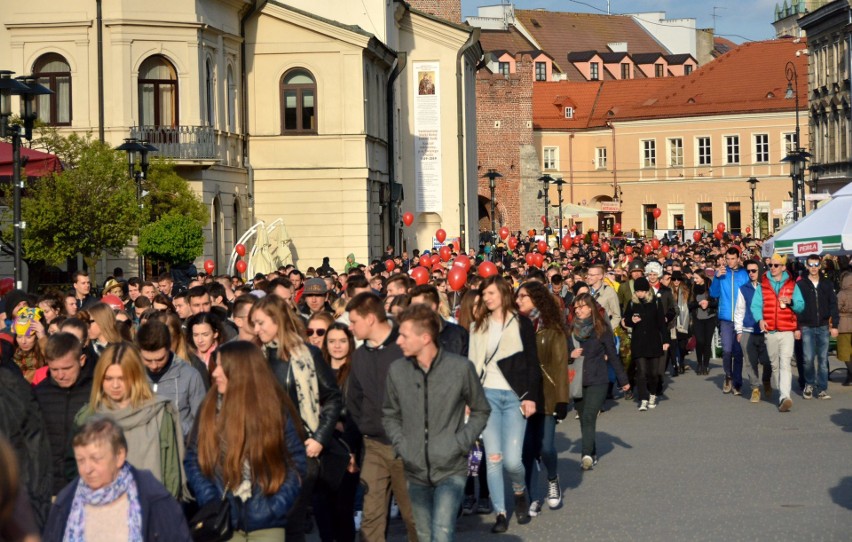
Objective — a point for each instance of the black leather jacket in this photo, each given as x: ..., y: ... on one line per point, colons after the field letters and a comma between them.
x: 330, y: 398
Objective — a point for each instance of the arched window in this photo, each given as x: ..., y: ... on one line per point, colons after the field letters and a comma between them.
x: 232, y: 101
x: 158, y: 93
x: 54, y: 72
x: 210, y: 93
x: 298, y: 102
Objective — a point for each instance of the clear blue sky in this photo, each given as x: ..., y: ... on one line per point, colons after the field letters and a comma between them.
x: 737, y: 20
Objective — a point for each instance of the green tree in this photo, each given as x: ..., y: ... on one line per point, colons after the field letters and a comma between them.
x: 174, y: 238
x: 169, y: 193
x: 84, y: 210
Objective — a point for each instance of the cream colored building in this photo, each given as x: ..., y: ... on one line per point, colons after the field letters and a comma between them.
x: 687, y: 147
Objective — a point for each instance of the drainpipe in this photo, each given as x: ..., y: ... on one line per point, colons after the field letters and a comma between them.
x: 399, y: 65
x: 570, y: 177
x: 473, y: 40
x: 100, y: 24
x: 244, y: 103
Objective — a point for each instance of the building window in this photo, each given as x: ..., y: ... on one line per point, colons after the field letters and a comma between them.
x: 704, y: 156
x: 541, y: 71
x: 232, y: 101
x: 569, y: 112
x: 790, y: 143
x: 675, y: 152
x: 503, y: 68
x: 625, y: 71
x: 54, y: 72
x: 551, y: 155
x: 734, y: 218
x: 705, y: 217
x: 594, y: 73
x: 687, y: 69
x: 761, y: 148
x: 210, y: 92
x: 658, y: 70
x: 298, y: 102
x: 650, y: 221
x: 158, y: 93
x: 732, y: 149
x: 600, y: 157
x: 649, y: 153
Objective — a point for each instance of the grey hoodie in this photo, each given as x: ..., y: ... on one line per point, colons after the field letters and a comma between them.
x: 182, y: 385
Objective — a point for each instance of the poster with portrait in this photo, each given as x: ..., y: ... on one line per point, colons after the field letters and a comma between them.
x: 427, y: 137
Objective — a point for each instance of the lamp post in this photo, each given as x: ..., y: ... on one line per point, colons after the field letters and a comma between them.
x: 752, y: 183
x: 559, y: 181
x: 132, y: 146
x: 28, y: 89
x: 492, y: 177
x: 799, y: 156
x: 545, y: 195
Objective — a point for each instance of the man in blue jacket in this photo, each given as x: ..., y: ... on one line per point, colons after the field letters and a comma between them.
x: 725, y: 288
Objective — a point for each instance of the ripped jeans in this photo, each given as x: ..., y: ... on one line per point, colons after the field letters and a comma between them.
x: 503, y: 438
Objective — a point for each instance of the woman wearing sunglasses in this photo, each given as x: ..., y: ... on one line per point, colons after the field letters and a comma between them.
x: 317, y: 327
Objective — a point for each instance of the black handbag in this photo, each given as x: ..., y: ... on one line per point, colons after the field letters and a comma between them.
x: 212, y: 522
x: 333, y: 462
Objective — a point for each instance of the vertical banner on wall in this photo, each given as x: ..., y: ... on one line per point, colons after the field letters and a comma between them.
x: 427, y: 137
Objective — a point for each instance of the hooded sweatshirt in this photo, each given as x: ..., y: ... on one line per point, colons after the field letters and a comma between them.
x: 182, y: 385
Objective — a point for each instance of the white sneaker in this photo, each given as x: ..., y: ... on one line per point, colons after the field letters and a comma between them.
x: 652, y: 402
x: 535, y: 508
x: 358, y: 515
x: 643, y: 406
x: 554, y: 493
x: 587, y: 462
x: 808, y: 392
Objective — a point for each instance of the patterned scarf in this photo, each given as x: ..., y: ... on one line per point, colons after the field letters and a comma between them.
x: 583, y: 328
x: 307, y: 386
x: 75, y: 530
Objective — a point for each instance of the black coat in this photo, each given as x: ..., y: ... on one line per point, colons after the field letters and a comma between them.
x: 366, y: 385
x: 597, y: 353
x: 820, y: 304
x: 522, y: 370
x: 454, y: 338
x: 162, y: 517
x: 59, y: 406
x: 651, y: 332
x: 330, y: 398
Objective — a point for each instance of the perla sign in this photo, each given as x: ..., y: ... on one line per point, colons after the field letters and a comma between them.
x: 807, y: 248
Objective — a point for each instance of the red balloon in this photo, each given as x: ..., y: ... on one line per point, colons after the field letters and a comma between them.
x: 241, y: 250
x: 463, y: 261
x: 748, y: 229
x: 544, y: 220
x: 529, y: 258
x: 440, y: 235
x: 486, y: 269
x: 425, y: 260
x: 457, y: 278
x: 595, y: 237
x: 436, y: 265
x: 408, y: 219
x: 7, y: 284
x: 605, y: 246
x: 665, y: 252
x: 647, y: 249
x: 616, y: 228
x: 720, y: 227
x: 578, y: 240
x: 241, y: 266
x: 718, y: 235
x: 574, y: 228
x: 628, y: 250
x: 539, y: 260
x: 420, y: 275
x: 566, y: 242
x: 445, y: 253
x: 696, y: 236
x: 513, y: 243
x: 504, y: 233
x: 655, y: 243
x: 542, y: 246
x: 656, y: 212
x: 389, y: 265
x: 209, y: 266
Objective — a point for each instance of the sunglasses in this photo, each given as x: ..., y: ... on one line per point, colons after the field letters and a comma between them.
x: 776, y: 265
x: 310, y: 332
x: 752, y: 270
x: 813, y: 264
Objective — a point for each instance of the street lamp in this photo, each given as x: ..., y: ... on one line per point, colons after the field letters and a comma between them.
x: 28, y: 89
x: 545, y: 195
x: 132, y: 146
x: 752, y: 183
x: 492, y: 177
x: 559, y: 181
x: 799, y: 156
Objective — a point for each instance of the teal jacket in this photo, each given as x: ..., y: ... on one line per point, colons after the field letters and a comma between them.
x: 757, y: 300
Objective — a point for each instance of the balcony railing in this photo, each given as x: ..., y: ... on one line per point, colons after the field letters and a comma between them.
x: 193, y: 143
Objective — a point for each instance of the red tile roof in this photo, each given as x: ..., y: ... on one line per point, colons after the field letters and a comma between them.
x: 504, y: 40
x: 560, y: 33
x: 750, y: 78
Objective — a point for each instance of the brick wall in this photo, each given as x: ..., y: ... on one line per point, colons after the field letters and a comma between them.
x: 505, y: 142
x: 446, y: 9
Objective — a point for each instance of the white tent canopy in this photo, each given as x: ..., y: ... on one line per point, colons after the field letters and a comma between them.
x: 827, y: 230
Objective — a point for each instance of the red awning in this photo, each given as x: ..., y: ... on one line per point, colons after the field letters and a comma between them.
x: 37, y: 163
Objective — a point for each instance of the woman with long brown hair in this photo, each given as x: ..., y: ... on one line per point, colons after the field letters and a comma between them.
x: 246, y: 445
x: 310, y: 383
x: 103, y: 330
x: 591, y: 337
x: 503, y: 351
x: 536, y: 302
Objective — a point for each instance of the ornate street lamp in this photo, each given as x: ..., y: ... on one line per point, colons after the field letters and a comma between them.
x: 545, y: 195
x: 492, y: 177
x: 132, y: 147
x: 28, y: 89
x: 752, y: 183
x: 559, y: 181
x: 798, y: 157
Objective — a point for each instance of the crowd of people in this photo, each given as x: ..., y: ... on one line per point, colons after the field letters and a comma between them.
x: 419, y: 383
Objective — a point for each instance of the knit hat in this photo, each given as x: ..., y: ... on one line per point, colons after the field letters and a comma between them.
x: 315, y: 287
x: 641, y: 284
x: 654, y: 267
x: 14, y: 298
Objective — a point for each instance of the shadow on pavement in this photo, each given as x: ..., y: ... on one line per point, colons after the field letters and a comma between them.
x: 843, y: 419
x: 841, y: 494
